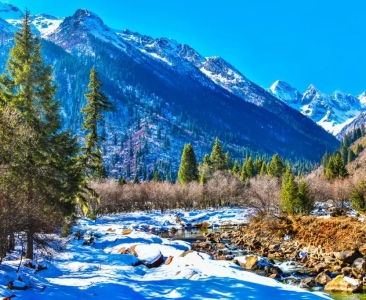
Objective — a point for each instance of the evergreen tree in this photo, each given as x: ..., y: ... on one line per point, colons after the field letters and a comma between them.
x: 325, y: 159
x: 358, y: 196
x: 247, y: 170
x: 188, y: 165
x: 306, y: 204
x: 46, y: 168
x: 202, y: 179
x: 263, y: 170
x: 358, y: 149
x: 97, y: 105
x: 156, y: 176
x: 289, y: 193
x: 236, y: 168
x: 121, y: 181
x: 206, y: 159
x: 135, y: 180
x: 257, y: 165
x: 217, y: 157
x: 351, y: 155
x: 335, y: 168
x: 276, y: 167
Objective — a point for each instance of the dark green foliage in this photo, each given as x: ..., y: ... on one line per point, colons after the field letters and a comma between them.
x: 236, y: 168
x: 97, y: 105
x: 350, y: 156
x: 44, y: 171
x: 121, y: 181
x: 276, y: 167
x: 306, y: 203
x: 358, y: 196
x: 289, y: 193
x: 188, y: 165
x: 247, y: 170
x: 263, y: 170
x: 325, y: 159
x: 135, y: 180
x: 257, y: 166
x: 335, y: 168
x: 217, y: 158
x: 156, y: 176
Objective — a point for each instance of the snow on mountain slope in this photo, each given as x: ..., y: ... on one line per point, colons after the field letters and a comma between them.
x: 46, y: 24
x: 8, y: 11
x: 286, y: 93
x: 332, y: 112
x: 78, y: 28
x: 362, y: 98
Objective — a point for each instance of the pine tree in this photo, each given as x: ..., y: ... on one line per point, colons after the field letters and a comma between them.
x: 263, y: 170
x: 217, y: 157
x: 289, y: 193
x: 188, y: 165
x: 236, y: 168
x: 325, y: 159
x: 276, y: 167
x: 257, y: 165
x: 97, y: 105
x: 156, y: 176
x: 351, y: 155
x: 247, y: 170
x: 335, y: 168
x: 135, y: 180
x: 358, y: 196
x: 306, y: 204
x: 47, y: 170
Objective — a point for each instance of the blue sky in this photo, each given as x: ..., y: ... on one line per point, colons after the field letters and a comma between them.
x: 303, y: 42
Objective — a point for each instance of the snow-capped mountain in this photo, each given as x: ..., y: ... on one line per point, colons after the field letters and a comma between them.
x: 165, y: 95
x: 9, y: 11
x: 332, y: 112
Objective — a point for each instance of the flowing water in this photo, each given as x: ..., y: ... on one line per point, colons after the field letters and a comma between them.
x: 193, y: 234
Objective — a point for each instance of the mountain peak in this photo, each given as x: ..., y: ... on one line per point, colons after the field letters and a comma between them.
x: 75, y: 31
x: 85, y: 15
x: 285, y: 92
x: 9, y: 11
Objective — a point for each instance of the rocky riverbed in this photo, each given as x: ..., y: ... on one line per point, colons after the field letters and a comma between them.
x: 312, y: 252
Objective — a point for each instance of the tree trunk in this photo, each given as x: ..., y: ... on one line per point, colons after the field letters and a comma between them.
x: 29, y: 252
x: 11, y: 242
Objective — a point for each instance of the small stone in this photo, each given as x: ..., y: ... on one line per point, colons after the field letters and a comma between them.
x: 323, y: 278
x: 307, y: 283
x: 126, y: 231
x: 169, y: 260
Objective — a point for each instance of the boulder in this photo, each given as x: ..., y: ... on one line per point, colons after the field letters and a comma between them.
x: 247, y: 262
x: 343, y: 284
x: 17, y: 285
x: 346, y: 271
x: 323, y: 278
x: 220, y: 246
x: 359, y: 267
x: 272, y: 270
x: 274, y: 276
x: 122, y: 250
x: 320, y: 267
x: 348, y: 256
x: 307, y: 283
x: 149, y: 255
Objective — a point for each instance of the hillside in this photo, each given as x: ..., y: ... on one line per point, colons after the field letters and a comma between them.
x: 166, y: 94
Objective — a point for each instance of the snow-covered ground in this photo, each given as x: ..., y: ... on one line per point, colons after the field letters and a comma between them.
x: 99, y: 271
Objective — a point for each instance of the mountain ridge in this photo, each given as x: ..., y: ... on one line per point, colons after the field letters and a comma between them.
x: 332, y: 112
x: 163, y: 99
